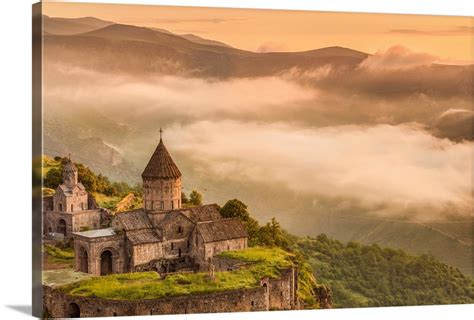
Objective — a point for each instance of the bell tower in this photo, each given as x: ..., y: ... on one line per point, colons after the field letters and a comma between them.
x: 161, y: 181
x: 69, y: 174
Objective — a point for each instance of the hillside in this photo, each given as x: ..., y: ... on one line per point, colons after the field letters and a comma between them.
x: 361, y: 275
x: 449, y: 241
x: 371, y: 276
x: 139, y: 50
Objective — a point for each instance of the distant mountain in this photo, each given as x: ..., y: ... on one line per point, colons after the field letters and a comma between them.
x: 139, y: 50
x: 197, y: 39
x: 70, y: 26
x: 67, y: 26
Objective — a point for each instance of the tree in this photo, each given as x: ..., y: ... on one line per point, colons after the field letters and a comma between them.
x: 53, y: 178
x: 271, y: 234
x: 195, y: 198
x: 184, y: 199
x: 235, y: 209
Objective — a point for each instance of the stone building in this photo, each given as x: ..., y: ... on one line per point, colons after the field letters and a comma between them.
x: 162, y: 236
x: 71, y: 208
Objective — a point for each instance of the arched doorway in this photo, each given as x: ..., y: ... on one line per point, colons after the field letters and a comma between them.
x: 163, y: 269
x: 73, y: 311
x: 61, y: 227
x: 84, y: 260
x: 106, y: 263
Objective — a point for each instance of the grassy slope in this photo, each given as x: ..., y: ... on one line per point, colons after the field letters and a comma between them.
x: 412, y: 237
x: 57, y: 258
x: 149, y: 285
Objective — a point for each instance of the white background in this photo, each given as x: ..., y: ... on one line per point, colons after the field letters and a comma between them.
x: 15, y: 154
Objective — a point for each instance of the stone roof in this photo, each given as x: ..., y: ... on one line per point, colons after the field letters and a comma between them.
x: 203, y: 213
x: 142, y: 236
x: 68, y: 191
x: 223, y: 229
x: 134, y: 220
x: 161, y: 165
x: 96, y: 233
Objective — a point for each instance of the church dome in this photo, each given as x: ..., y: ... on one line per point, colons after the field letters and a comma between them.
x: 161, y: 165
x: 69, y: 167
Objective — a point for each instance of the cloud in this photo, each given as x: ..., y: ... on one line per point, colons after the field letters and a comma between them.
x: 397, y: 57
x: 460, y: 30
x: 303, y: 130
x: 178, y: 97
x: 397, y: 168
x: 316, y: 97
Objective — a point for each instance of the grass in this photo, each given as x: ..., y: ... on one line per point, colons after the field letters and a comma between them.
x: 65, y: 254
x: 105, y: 201
x: 148, y: 285
x: 48, y: 164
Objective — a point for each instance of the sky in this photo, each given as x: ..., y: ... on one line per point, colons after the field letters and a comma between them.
x: 450, y: 39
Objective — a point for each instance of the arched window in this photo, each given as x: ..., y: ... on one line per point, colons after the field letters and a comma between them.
x: 60, y: 207
x: 72, y: 207
x: 180, y: 229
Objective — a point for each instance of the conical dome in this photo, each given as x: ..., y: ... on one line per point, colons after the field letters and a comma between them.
x: 70, y: 174
x: 161, y: 165
x: 69, y: 167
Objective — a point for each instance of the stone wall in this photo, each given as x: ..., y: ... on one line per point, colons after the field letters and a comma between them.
x: 75, y: 222
x: 162, y: 194
x: 282, y: 291
x: 83, y: 220
x: 93, y: 248
x: 143, y: 253
x: 261, y: 298
x: 212, y: 249
x: 51, y: 221
x: 76, y: 202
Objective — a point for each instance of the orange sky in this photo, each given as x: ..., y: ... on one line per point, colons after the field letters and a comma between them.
x: 449, y: 38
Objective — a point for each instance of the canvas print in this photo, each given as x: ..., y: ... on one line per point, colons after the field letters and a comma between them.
x: 202, y: 160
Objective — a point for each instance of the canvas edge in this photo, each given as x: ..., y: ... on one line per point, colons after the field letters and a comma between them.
x: 37, y: 134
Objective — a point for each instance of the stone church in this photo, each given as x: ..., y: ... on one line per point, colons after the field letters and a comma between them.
x: 71, y: 208
x: 162, y: 236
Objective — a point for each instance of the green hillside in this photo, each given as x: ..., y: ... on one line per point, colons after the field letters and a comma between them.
x: 363, y: 275
x: 369, y: 276
x: 449, y: 241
